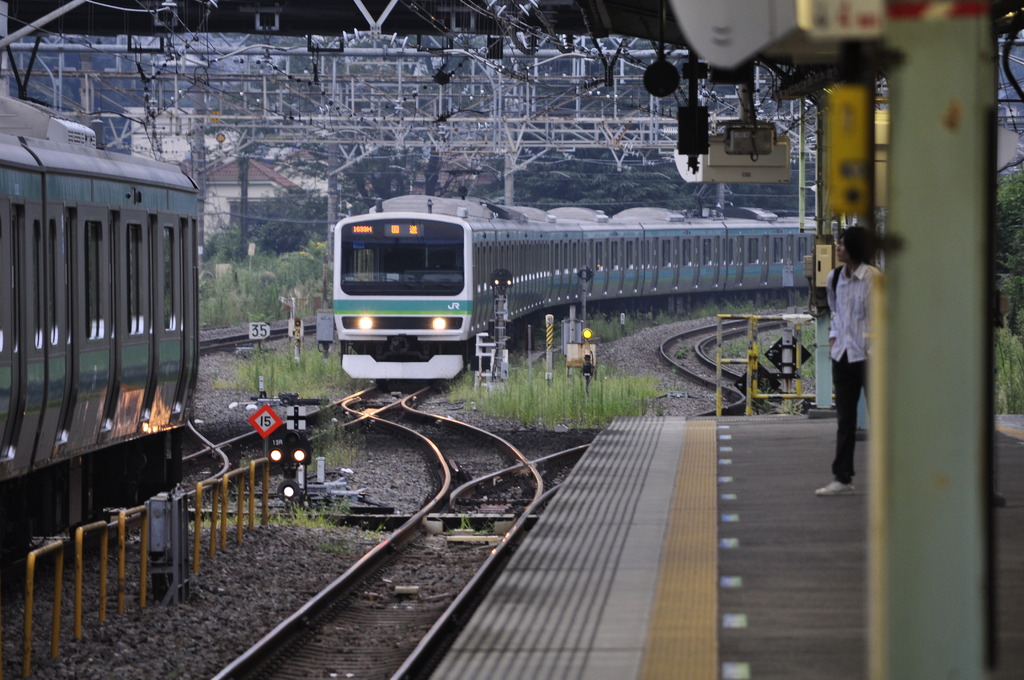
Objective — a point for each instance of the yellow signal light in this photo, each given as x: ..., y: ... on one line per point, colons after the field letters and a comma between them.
x: 587, y: 334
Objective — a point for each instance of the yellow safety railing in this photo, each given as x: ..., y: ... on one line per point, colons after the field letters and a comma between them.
x: 219, y: 492
x: 30, y: 578
x: 122, y: 550
x: 219, y: 507
x: 239, y: 514
x: 752, y: 359
x: 197, y: 533
x: 80, y: 533
x: 265, y: 464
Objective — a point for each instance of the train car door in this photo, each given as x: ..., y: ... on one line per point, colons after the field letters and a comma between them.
x: 764, y: 260
x: 29, y: 259
x: 91, y: 359
x: 718, y: 260
x: 8, y: 298
x: 165, y: 264
x: 130, y: 319
x: 54, y: 294
x: 188, y: 312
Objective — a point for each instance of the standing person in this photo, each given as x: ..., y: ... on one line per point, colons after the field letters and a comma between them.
x: 848, y: 298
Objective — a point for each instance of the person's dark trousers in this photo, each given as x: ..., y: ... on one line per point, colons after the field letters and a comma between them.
x: 848, y: 379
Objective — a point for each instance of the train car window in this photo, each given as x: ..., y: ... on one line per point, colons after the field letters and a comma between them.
x: 629, y: 254
x: 38, y: 276
x: 752, y: 251
x: 666, y: 253
x: 706, y: 252
x: 565, y: 257
x: 615, y: 254
x: 170, y: 282
x: 776, y: 249
x: 54, y: 265
x: 94, y: 279
x: 729, y: 246
x: 687, y: 252
x: 599, y: 254
x: 133, y: 271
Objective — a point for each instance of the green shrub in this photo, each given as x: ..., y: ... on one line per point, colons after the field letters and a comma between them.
x: 563, y: 400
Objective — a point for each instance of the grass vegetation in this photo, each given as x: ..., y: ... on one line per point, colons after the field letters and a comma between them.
x: 1009, y: 379
x: 310, y: 377
x: 563, y: 400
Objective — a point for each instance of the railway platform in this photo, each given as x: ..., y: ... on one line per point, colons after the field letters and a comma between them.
x: 697, y: 548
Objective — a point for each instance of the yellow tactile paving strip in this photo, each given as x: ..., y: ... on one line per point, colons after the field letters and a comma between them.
x: 682, y: 640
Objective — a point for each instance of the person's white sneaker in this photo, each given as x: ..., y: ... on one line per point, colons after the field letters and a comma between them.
x: 835, y: 489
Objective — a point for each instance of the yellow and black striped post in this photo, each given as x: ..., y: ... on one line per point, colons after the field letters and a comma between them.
x: 549, y: 330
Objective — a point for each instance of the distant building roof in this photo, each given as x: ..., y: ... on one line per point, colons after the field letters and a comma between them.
x: 227, y: 173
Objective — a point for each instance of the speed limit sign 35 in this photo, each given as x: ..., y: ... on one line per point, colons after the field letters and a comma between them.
x: 259, y: 330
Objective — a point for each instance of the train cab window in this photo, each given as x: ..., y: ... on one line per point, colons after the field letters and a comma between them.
x: 94, y: 277
x: 394, y: 257
x: 752, y: 251
x: 133, y: 271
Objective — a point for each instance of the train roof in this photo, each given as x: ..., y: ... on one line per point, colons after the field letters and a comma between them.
x: 579, y: 217
x: 23, y: 119
x: 454, y: 207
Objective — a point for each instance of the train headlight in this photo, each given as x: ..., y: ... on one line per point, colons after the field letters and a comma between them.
x: 365, y: 323
x: 439, y: 323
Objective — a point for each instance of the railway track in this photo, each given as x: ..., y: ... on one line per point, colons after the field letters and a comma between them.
x: 703, y: 341
x: 308, y: 642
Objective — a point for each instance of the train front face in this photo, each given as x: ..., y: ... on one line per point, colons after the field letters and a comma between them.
x: 402, y: 298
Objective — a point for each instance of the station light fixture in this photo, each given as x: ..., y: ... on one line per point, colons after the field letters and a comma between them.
x: 439, y: 323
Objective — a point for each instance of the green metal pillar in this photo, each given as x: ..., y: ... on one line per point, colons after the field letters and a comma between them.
x: 929, y: 402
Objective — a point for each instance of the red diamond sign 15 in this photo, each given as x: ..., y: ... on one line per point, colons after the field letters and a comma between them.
x: 265, y: 421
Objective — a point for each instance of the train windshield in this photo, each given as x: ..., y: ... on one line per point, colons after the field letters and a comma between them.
x: 396, y: 257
